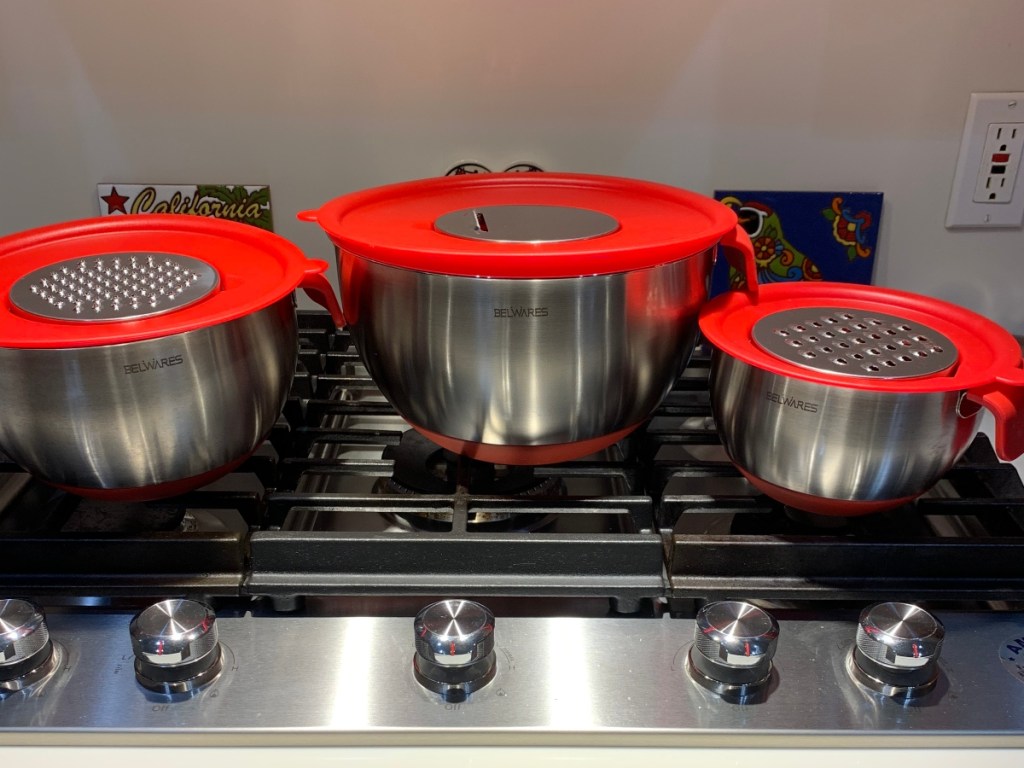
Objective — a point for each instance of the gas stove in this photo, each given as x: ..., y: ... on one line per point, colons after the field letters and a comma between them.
x: 353, y: 584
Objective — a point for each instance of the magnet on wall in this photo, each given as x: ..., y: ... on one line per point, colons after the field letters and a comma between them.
x: 249, y: 204
x: 805, y: 236
x: 466, y: 168
x: 470, y: 167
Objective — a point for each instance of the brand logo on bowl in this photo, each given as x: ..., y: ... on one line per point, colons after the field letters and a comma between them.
x: 247, y: 204
x: 153, y: 364
x: 520, y: 311
x: 792, y: 402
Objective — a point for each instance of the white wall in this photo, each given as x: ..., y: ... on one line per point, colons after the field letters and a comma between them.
x: 320, y: 98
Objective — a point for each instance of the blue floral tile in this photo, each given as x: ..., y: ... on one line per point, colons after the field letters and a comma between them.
x: 805, y: 235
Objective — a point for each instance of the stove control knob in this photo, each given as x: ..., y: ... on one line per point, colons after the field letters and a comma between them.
x: 732, y: 650
x: 175, y: 646
x: 897, y: 650
x: 26, y: 651
x: 454, y: 648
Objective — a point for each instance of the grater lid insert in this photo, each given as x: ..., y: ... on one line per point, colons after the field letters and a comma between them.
x: 855, y: 342
x: 115, y: 286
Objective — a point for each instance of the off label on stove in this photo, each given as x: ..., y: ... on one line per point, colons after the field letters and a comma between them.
x: 1011, y: 655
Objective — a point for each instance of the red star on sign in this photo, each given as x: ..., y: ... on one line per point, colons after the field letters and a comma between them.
x: 114, y: 201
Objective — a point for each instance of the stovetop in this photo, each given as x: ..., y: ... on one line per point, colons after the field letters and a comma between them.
x: 323, y: 508
x: 319, y: 550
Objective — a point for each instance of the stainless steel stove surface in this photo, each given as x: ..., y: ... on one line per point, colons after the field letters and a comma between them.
x: 352, y: 584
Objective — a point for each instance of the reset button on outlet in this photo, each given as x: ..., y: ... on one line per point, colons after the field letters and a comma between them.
x: 1000, y: 161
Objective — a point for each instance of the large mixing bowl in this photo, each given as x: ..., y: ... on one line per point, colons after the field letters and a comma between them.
x: 144, y: 356
x: 846, y: 400
x: 527, y: 318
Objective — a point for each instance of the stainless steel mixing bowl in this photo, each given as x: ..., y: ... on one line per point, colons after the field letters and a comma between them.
x: 133, y: 417
x: 142, y: 356
x: 525, y: 363
x: 848, y: 399
x: 527, y: 318
x: 817, y: 446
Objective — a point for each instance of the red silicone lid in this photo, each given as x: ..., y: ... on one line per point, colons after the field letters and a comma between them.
x: 396, y: 224
x: 986, y: 352
x: 255, y: 269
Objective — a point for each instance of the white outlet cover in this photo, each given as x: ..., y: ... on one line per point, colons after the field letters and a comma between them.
x: 984, y: 109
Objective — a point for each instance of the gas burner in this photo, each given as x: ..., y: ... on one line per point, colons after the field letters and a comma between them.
x: 481, y: 521
x: 422, y: 466
x: 787, y: 520
x: 805, y: 519
x: 94, y: 516
x: 28, y: 505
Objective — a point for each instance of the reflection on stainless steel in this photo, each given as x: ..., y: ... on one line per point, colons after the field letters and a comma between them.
x: 148, y: 412
x: 834, y: 442
x: 557, y: 679
x: 524, y: 362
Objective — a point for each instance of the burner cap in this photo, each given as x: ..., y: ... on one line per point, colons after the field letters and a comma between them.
x: 422, y: 466
x: 425, y: 467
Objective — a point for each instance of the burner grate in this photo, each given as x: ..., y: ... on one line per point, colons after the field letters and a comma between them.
x: 665, y: 516
x: 725, y: 539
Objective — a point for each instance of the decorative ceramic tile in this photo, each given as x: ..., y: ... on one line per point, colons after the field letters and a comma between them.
x: 248, y: 204
x: 805, y: 235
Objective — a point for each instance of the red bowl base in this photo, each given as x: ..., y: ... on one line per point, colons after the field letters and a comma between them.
x: 157, y: 491
x: 525, y: 455
x: 818, y: 505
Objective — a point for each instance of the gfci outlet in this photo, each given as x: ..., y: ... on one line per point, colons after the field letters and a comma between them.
x: 1000, y: 161
x: 987, y: 188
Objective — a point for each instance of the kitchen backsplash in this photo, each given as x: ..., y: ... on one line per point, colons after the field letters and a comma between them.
x: 316, y: 99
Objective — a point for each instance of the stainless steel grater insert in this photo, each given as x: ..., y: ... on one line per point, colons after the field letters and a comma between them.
x: 855, y: 342
x: 115, y: 286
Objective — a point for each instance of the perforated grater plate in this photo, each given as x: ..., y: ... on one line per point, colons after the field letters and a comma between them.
x: 853, y: 342
x: 115, y: 286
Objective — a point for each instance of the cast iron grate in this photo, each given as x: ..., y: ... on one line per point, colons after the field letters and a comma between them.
x: 321, y: 541
x: 678, y: 522
x: 962, y: 541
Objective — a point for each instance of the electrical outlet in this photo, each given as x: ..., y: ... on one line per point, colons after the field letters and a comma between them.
x: 987, y: 188
x: 1000, y: 161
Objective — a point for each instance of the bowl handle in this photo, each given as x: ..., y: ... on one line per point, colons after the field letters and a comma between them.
x: 739, y: 252
x: 1005, y: 399
x: 320, y: 290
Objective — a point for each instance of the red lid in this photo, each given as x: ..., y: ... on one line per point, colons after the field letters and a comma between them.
x: 984, y: 352
x: 230, y: 270
x: 524, y: 225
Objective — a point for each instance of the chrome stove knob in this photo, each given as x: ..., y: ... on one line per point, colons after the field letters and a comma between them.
x: 26, y: 651
x: 454, y: 648
x: 175, y: 646
x: 897, y: 650
x: 733, y: 646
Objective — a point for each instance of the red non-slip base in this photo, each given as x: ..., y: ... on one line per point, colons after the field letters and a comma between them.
x: 525, y: 455
x: 157, y: 491
x: 821, y: 506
